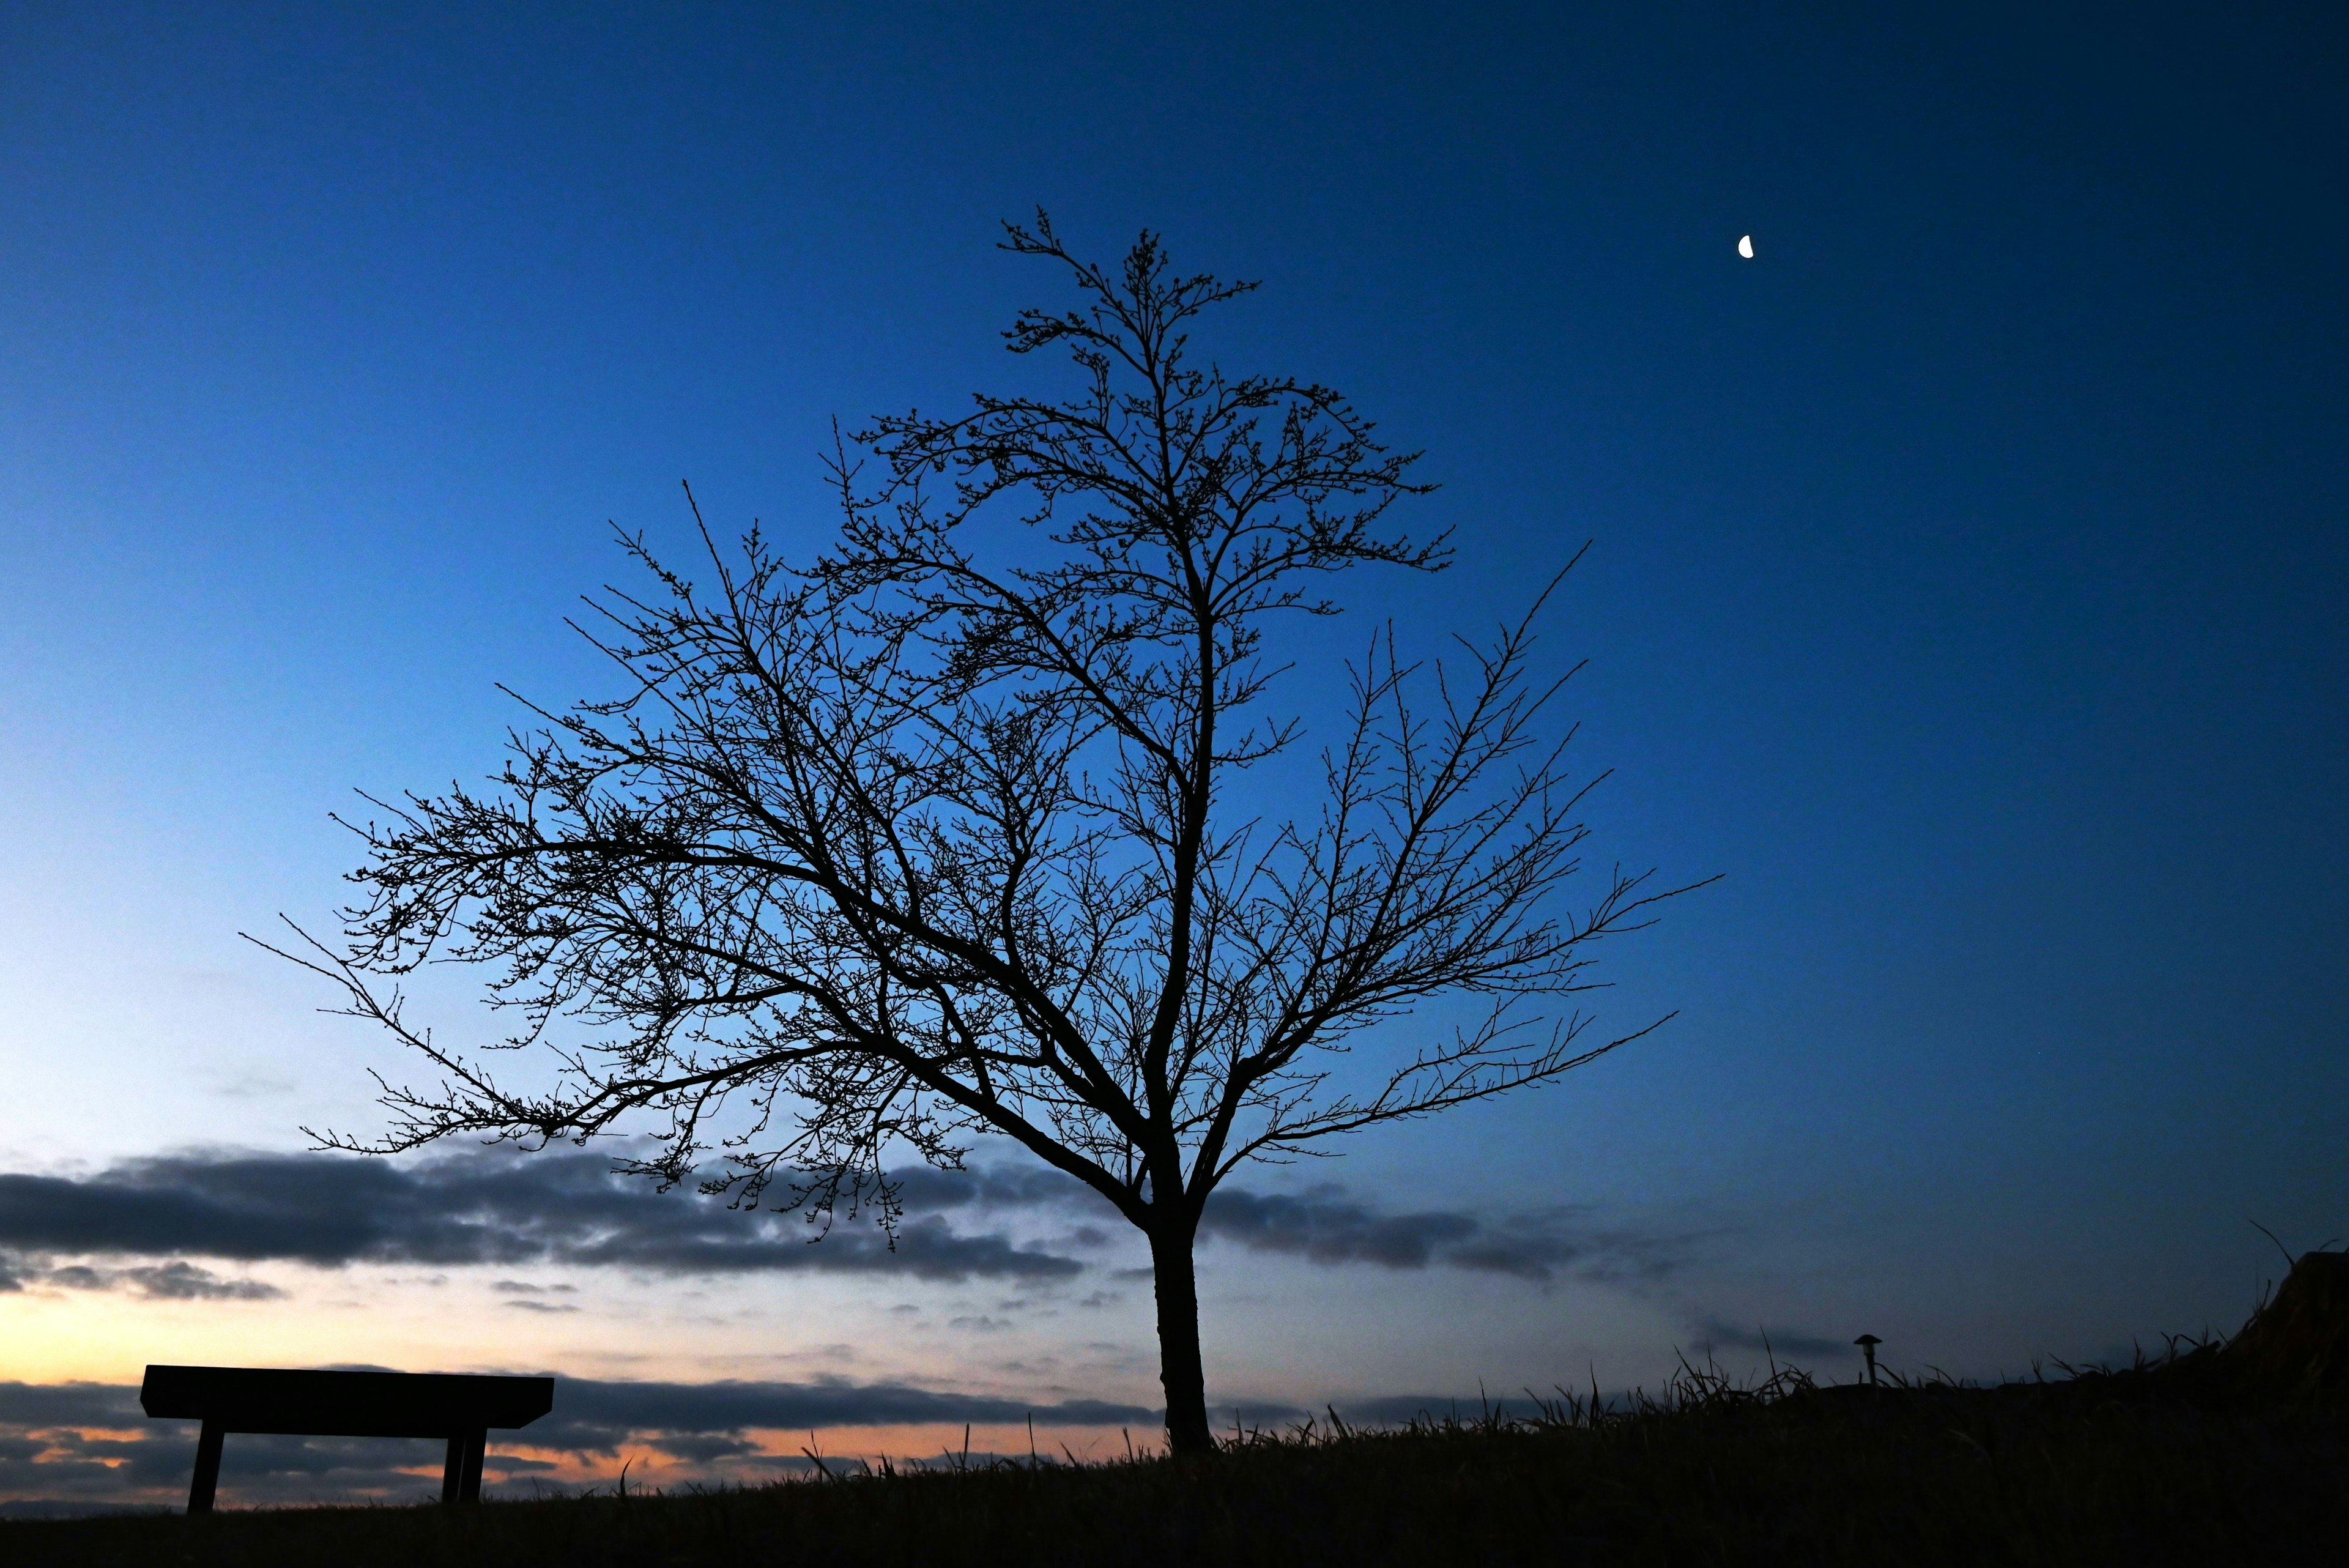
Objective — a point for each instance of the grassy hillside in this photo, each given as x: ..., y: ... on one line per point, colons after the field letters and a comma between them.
x: 2173, y: 1463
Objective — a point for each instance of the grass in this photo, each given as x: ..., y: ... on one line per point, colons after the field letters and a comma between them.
x: 2166, y: 1462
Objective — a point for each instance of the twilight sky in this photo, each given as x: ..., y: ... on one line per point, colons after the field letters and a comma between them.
x: 1966, y: 588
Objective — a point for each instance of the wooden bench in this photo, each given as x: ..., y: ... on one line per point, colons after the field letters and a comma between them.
x: 461, y: 1409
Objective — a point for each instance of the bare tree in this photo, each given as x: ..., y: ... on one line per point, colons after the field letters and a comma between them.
x: 907, y: 845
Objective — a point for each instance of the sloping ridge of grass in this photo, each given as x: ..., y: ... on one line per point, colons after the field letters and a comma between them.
x: 2296, y: 1347
x: 2213, y: 1452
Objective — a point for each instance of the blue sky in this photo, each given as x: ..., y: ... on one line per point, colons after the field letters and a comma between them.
x: 1965, y: 588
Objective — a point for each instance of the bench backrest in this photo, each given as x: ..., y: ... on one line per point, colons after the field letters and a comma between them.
x: 343, y: 1404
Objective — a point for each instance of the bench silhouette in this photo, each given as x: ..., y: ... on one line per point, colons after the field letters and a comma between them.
x: 344, y: 1405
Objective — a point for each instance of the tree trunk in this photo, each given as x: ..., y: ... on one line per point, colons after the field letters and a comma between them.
x: 1180, y: 1370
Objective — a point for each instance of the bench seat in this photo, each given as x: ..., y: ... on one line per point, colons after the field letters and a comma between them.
x: 461, y: 1409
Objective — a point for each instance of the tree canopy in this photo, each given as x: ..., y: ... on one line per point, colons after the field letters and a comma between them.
x: 928, y: 837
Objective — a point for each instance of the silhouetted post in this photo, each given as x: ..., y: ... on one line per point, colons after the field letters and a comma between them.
x: 207, y: 1477
x: 452, y: 1472
x: 1868, y: 1343
x: 468, y: 1489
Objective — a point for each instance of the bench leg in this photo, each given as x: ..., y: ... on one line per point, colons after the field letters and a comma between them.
x: 207, y: 1477
x: 453, y: 1472
x: 476, y: 1441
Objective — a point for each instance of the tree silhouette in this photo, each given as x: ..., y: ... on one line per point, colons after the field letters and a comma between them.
x: 921, y: 841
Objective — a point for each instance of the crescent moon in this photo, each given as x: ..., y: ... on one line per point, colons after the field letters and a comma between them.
x: 1746, y: 247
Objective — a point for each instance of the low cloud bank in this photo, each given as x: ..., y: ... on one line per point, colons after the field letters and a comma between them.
x: 596, y: 1417
x: 179, y: 1281
x: 560, y: 1207
x: 89, y: 1444
x: 1326, y: 1226
x: 1715, y: 1334
x: 88, y: 1448
x: 565, y: 1208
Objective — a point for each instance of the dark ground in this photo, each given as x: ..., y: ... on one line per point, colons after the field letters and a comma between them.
x: 2117, y: 1469
x: 2215, y: 1455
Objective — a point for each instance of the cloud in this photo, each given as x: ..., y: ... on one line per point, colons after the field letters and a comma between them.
x: 184, y: 1282
x: 1324, y: 1225
x: 995, y: 1187
x: 178, y: 1281
x: 594, y: 1415
x: 1329, y: 1227
x: 557, y: 1207
x: 565, y: 1208
x: 69, y: 1405
x: 1713, y: 1333
x: 59, y: 1442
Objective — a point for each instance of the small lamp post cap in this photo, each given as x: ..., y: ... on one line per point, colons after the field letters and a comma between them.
x: 1867, y: 1340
